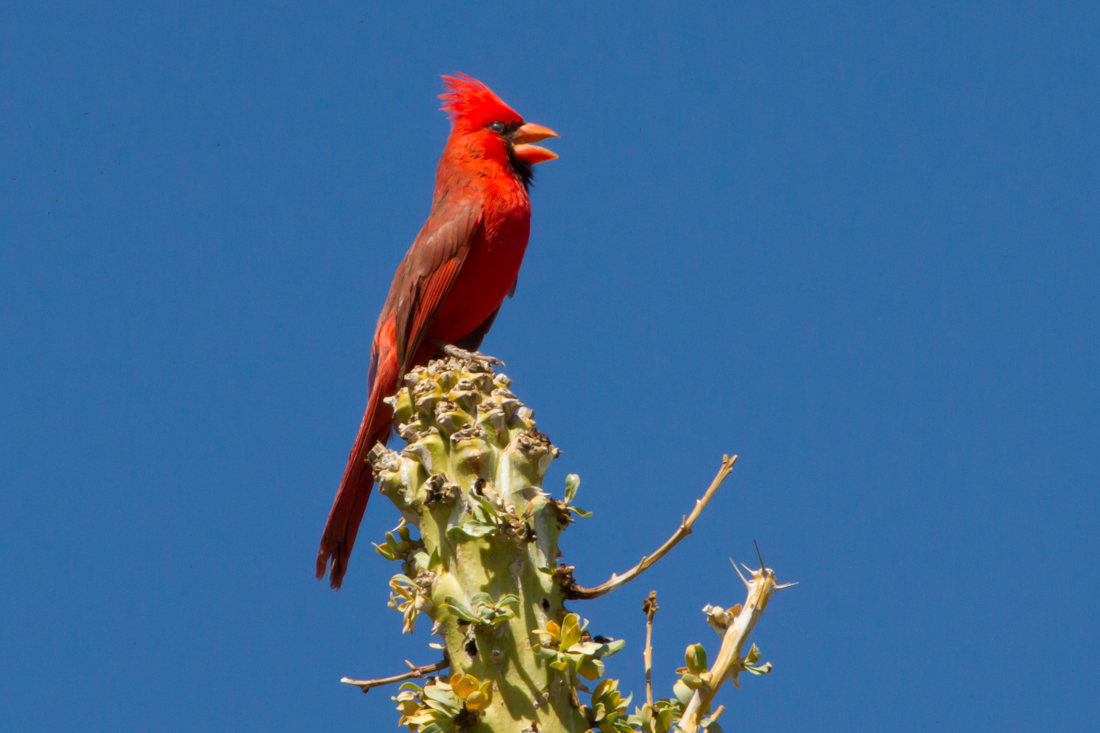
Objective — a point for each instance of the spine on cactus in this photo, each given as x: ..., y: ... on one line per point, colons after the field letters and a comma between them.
x: 483, y: 570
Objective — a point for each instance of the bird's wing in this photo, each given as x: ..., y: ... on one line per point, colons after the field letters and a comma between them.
x: 429, y: 270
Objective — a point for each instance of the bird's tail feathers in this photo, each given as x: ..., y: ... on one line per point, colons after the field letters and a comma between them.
x: 358, y: 481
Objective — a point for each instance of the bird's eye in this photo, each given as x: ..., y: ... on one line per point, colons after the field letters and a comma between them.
x: 497, y: 127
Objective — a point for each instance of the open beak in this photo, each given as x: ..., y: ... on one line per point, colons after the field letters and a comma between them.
x: 532, y: 133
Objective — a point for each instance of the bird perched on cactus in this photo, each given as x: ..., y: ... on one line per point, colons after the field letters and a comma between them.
x: 451, y: 283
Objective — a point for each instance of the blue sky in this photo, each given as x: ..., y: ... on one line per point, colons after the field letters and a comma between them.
x: 856, y: 244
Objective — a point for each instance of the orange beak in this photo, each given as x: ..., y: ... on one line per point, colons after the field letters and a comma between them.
x: 532, y: 133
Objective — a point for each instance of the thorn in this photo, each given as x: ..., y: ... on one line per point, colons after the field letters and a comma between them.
x: 759, y: 556
x: 739, y: 575
x: 411, y: 665
x: 786, y: 585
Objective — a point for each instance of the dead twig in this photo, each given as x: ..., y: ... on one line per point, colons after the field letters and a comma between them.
x: 577, y: 592
x: 649, y: 607
x: 414, y: 673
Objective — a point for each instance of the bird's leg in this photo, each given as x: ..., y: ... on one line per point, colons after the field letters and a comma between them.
x: 452, y: 350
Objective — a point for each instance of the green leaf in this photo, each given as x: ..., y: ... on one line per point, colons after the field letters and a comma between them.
x: 761, y: 669
x: 590, y: 669
x: 484, y: 510
x: 753, y: 656
x: 580, y: 512
x: 572, y: 483
x: 683, y: 692
x: 444, y: 698
x: 476, y: 701
x: 459, y: 609
x: 611, y: 647
x: 445, y: 708
x: 643, y: 717
x: 692, y: 682
x: 472, y: 529
x: 696, y: 658
x: 570, y: 631
x: 438, y: 727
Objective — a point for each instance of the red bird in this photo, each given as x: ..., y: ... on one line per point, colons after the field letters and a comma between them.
x: 449, y: 287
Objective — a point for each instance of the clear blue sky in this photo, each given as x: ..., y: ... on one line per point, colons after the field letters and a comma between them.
x: 856, y: 244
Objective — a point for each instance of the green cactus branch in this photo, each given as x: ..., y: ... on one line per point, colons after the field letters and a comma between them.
x: 479, y: 560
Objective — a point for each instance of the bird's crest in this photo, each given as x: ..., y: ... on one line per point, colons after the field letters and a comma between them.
x: 469, y: 101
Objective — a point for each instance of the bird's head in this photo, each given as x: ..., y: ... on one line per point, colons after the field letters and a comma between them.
x: 495, y: 128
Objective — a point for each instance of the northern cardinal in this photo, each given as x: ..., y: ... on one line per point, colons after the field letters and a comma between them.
x: 448, y: 289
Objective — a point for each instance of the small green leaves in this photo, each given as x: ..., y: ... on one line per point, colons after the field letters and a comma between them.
x: 570, y: 651
x: 481, y: 609
x: 443, y: 706
x: 471, y: 529
x: 410, y: 598
x: 485, y: 520
x: 750, y: 662
x: 565, y: 507
x: 400, y: 547
x: 474, y: 693
x: 572, y: 483
x: 657, y: 718
x: 695, y: 674
x: 608, y: 711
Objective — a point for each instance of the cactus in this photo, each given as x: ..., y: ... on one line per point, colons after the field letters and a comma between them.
x: 484, y: 571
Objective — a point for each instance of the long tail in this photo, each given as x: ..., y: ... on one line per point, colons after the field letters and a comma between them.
x: 355, y: 487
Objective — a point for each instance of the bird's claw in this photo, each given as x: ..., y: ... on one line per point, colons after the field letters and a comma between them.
x: 452, y: 350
